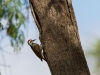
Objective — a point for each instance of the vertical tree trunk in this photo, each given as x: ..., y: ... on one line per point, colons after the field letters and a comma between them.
x: 57, y: 25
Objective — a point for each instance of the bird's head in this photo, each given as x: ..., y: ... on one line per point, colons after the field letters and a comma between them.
x: 30, y: 41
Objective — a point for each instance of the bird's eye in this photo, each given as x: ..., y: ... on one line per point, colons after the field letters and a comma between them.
x: 30, y: 41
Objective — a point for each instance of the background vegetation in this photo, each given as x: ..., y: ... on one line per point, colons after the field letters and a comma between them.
x: 11, y: 12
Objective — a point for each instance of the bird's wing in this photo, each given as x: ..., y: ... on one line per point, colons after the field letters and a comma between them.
x: 38, y: 51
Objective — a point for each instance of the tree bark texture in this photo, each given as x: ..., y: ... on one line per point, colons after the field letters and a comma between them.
x: 59, y: 36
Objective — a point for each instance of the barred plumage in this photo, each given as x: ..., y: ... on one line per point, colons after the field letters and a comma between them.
x: 37, y: 49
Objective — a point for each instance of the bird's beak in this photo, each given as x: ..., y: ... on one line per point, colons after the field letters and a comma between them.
x: 33, y: 40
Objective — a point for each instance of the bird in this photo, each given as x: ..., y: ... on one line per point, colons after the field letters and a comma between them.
x: 36, y: 48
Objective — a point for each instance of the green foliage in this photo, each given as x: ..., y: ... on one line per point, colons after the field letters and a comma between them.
x: 95, y: 52
x: 1, y: 26
x: 10, y: 10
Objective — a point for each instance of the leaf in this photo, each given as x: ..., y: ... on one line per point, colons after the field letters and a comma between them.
x: 22, y: 38
x: 6, y: 2
x: 19, y: 3
x: 1, y: 27
x: 21, y: 18
x: 12, y: 31
x: 1, y: 11
x: 12, y: 42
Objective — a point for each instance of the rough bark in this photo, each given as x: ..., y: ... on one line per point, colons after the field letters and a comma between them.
x: 59, y: 36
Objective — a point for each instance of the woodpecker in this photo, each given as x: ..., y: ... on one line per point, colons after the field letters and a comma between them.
x: 37, y: 49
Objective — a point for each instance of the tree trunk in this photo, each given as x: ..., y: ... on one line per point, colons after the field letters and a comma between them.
x: 59, y: 36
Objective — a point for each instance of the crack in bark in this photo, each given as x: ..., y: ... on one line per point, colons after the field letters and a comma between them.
x: 69, y: 11
x: 35, y: 16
